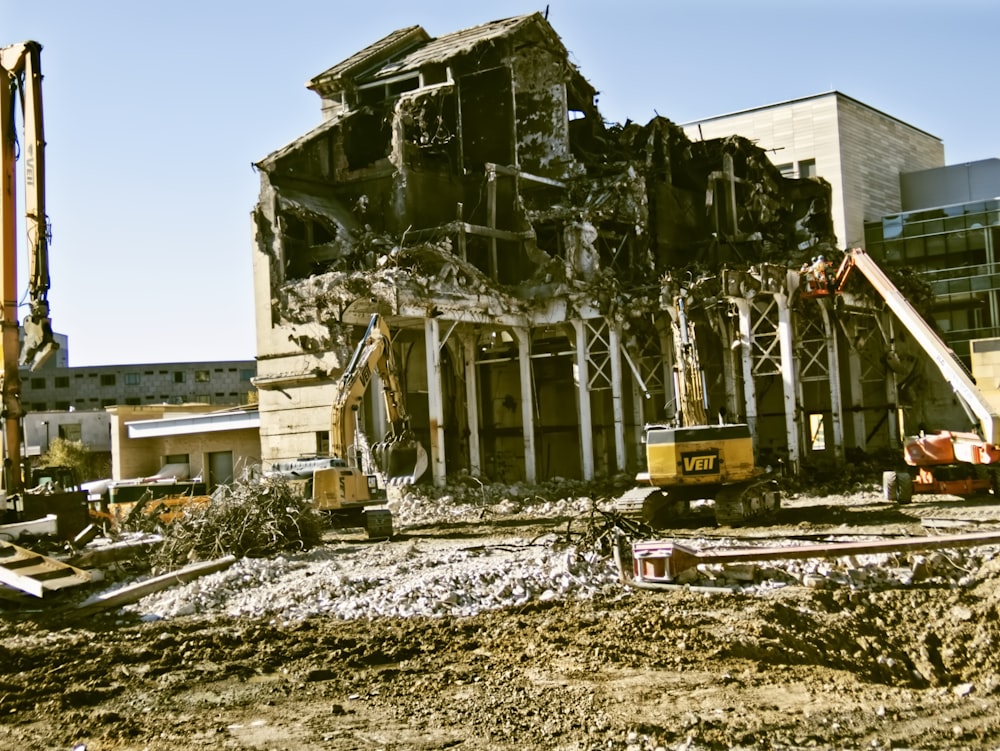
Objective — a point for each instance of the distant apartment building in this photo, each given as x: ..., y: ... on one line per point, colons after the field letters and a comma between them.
x: 223, y: 383
x: 860, y: 151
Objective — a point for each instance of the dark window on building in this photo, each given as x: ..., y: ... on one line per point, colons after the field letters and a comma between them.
x: 71, y: 431
x: 62, y: 382
x: 38, y: 383
x: 246, y: 375
x: 62, y: 406
x: 202, y: 376
x: 39, y: 406
x: 108, y: 379
x: 179, y: 376
x: 108, y: 402
x: 322, y: 442
x: 132, y: 401
x: 131, y: 379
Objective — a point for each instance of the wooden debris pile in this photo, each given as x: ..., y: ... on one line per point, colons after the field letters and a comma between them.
x: 256, y: 517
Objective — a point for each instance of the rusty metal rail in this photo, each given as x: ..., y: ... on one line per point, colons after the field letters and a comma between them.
x: 660, y: 561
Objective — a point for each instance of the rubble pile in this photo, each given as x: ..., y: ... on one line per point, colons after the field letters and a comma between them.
x: 434, y: 569
x: 401, y: 579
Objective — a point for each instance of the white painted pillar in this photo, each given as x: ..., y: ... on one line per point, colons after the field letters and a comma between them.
x: 833, y: 367
x: 472, y: 404
x: 614, y: 347
x: 786, y: 346
x: 746, y: 358
x: 527, y: 402
x: 435, y: 400
x: 581, y: 375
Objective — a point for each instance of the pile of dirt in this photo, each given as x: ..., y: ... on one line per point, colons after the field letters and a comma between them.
x: 898, y: 665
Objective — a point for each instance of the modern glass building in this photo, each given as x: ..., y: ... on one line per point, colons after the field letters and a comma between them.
x: 954, y: 249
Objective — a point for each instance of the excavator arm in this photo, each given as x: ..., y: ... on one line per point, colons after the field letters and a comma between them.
x: 398, y: 457
x: 21, y: 78
x: 21, y: 65
x: 954, y: 372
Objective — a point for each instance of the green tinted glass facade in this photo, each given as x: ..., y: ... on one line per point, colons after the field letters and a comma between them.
x: 954, y: 248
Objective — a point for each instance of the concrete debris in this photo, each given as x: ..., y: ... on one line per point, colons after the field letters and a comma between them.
x: 436, y: 576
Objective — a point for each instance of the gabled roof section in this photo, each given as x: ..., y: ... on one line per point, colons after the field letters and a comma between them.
x: 408, y: 49
x: 374, y: 55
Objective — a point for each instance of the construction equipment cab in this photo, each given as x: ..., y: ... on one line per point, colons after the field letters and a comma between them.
x: 358, y: 474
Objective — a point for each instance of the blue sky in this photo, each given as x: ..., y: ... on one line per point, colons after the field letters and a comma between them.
x: 155, y: 112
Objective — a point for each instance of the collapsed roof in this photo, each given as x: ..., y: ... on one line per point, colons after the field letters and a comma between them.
x: 473, y: 173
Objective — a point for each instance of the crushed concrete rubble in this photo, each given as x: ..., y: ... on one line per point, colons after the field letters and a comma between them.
x: 426, y: 574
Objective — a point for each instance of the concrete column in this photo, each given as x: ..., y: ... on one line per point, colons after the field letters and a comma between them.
x: 855, y: 373
x: 729, y: 358
x: 670, y: 405
x: 581, y: 374
x: 614, y: 347
x: 472, y: 403
x: 435, y: 400
x: 833, y: 368
x: 527, y: 402
x: 789, y: 381
x: 892, y: 392
x: 746, y: 359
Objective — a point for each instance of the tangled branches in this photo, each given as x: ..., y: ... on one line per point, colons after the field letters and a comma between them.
x: 252, y: 518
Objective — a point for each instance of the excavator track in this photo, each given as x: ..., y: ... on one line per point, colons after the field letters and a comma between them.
x: 651, y: 506
x: 740, y: 503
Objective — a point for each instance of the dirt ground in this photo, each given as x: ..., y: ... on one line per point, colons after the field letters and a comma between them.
x: 906, y: 666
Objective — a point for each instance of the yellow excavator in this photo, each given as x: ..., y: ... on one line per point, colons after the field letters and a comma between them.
x: 690, y: 459
x: 350, y: 485
x: 21, y: 78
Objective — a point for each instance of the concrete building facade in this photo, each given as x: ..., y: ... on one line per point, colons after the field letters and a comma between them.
x: 857, y: 149
x: 96, y: 387
x: 215, y: 445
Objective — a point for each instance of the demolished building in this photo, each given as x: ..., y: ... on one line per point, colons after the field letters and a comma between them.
x: 467, y: 188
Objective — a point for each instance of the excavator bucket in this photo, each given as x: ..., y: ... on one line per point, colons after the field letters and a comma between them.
x: 402, y: 461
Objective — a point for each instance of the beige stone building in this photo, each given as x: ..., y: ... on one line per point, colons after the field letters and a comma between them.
x: 216, y: 445
x: 859, y: 150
